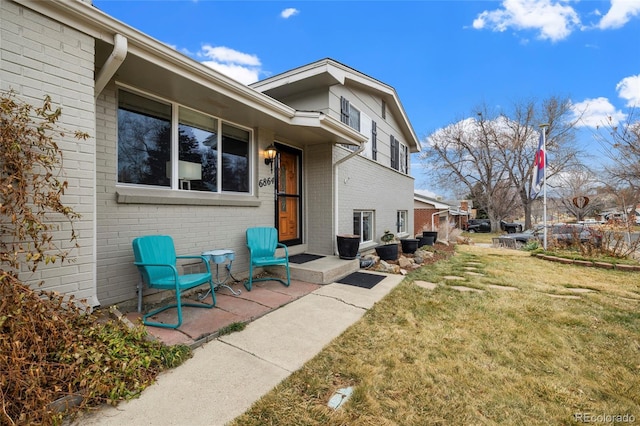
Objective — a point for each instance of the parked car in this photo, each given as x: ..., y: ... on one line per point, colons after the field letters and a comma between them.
x: 510, y: 228
x: 477, y: 225
x: 561, y: 233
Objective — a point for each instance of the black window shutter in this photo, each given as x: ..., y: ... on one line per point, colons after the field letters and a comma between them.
x: 344, y: 110
x: 374, y: 140
x: 394, y: 153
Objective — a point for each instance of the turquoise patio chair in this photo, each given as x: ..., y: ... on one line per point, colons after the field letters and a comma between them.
x: 156, y: 259
x: 262, y: 243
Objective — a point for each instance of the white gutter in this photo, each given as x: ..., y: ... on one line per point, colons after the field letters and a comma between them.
x: 336, y: 192
x: 112, y: 63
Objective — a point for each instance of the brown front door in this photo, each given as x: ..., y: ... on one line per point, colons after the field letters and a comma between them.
x: 288, y: 197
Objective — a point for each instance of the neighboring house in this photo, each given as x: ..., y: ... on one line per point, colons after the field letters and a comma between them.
x: 427, y: 212
x: 177, y: 148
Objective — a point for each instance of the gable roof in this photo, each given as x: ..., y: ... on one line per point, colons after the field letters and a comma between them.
x: 327, y: 72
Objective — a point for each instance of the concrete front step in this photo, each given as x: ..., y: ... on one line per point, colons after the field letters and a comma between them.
x: 325, y: 270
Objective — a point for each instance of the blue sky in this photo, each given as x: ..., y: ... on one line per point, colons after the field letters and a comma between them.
x: 444, y: 58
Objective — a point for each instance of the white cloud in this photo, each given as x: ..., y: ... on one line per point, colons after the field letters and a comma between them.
x: 289, y: 12
x: 554, y: 20
x: 243, y: 67
x: 242, y: 74
x: 225, y: 54
x: 597, y: 112
x: 620, y: 13
x: 629, y: 89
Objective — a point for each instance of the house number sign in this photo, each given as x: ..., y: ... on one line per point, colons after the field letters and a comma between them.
x: 266, y: 181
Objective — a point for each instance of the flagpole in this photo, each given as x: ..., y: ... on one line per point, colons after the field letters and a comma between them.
x: 543, y: 128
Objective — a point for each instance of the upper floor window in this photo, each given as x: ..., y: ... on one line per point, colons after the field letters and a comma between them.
x: 212, y: 156
x: 374, y: 140
x: 399, y: 155
x: 404, y: 158
x: 349, y: 114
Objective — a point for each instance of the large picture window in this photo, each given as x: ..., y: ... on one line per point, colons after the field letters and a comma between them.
x: 363, y: 225
x: 144, y: 140
x: 235, y: 159
x: 197, y: 151
x: 213, y: 156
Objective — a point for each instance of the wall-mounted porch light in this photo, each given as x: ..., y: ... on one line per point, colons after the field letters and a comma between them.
x: 270, y: 153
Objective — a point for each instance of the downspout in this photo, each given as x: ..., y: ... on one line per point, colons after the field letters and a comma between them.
x: 107, y: 71
x: 433, y: 223
x: 335, y: 192
x: 112, y: 63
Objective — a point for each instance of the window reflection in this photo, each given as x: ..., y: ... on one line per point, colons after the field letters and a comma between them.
x: 144, y: 140
x: 363, y: 225
x: 198, y: 145
x: 235, y: 159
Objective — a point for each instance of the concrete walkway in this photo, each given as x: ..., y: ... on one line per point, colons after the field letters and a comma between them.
x: 227, y: 375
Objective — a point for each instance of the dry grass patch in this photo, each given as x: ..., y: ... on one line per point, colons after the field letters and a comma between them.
x: 482, y: 237
x: 445, y: 357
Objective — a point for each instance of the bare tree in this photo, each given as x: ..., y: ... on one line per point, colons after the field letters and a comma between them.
x: 579, y: 193
x: 520, y: 142
x: 464, y: 153
x: 622, y: 145
x: 494, y: 153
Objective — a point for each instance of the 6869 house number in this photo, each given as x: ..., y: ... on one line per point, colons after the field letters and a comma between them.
x: 266, y: 181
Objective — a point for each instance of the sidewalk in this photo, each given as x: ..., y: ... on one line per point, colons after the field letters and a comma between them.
x: 227, y: 375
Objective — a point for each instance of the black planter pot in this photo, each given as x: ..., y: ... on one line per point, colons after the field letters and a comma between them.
x: 426, y: 241
x: 348, y: 246
x: 387, y: 252
x: 433, y: 234
x: 409, y: 245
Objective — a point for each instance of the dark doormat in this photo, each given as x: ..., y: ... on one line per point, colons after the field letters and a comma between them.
x: 304, y: 258
x: 361, y: 279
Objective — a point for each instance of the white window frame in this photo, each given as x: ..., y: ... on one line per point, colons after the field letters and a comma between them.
x: 403, y: 159
x: 354, y: 117
x: 361, y: 224
x: 175, y: 184
x: 402, y: 218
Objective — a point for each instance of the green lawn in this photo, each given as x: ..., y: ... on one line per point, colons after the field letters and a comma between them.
x: 542, y: 343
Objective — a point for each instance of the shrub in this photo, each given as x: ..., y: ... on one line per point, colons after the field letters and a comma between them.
x: 51, y: 348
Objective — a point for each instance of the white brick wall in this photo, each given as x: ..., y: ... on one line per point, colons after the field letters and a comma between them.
x: 365, y: 185
x: 38, y: 57
x: 319, y: 199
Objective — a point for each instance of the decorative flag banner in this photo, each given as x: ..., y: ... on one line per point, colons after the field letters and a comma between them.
x: 539, y: 164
